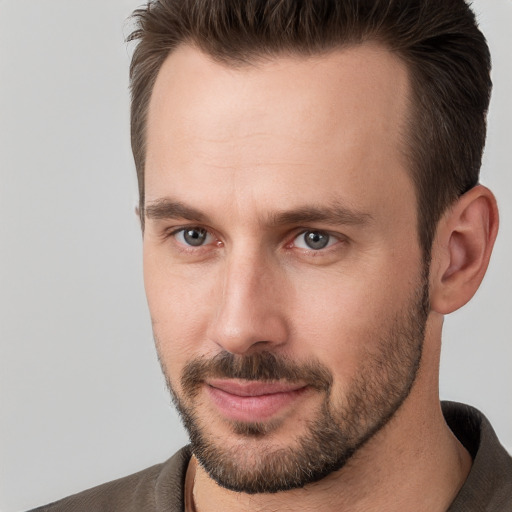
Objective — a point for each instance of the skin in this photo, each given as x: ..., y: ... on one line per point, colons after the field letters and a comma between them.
x: 241, y: 146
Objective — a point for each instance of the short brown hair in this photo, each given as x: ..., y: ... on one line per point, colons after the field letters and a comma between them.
x: 446, y: 54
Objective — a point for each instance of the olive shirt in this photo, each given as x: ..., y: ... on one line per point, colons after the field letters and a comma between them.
x: 160, y: 488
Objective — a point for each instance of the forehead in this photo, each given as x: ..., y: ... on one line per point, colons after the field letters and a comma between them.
x: 288, y: 121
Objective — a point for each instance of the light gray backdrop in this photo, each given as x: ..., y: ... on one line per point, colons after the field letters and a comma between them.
x: 81, y: 396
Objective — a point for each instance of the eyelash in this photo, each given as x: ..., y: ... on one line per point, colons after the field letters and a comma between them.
x: 333, y: 241
x: 185, y: 248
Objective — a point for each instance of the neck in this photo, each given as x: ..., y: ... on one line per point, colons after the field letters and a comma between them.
x: 421, y: 469
x: 413, y: 463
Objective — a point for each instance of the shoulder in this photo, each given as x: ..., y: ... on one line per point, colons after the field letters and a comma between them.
x: 489, y: 483
x: 154, y: 489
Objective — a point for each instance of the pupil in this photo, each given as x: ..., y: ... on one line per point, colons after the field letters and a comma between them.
x: 194, y: 237
x: 316, y: 240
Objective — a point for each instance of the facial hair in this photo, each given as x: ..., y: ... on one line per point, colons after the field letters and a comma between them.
x: 339, y: 427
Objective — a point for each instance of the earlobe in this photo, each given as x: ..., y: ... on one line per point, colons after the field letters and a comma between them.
x: 462, y: 249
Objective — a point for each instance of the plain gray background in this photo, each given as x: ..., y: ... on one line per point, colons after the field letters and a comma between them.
x: 81, y: 396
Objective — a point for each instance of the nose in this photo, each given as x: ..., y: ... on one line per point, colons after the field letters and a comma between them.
x: 251, y: 304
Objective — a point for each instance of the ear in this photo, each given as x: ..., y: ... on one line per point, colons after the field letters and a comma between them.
x: 462, y: 248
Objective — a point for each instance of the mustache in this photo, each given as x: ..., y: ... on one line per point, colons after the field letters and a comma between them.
x: 260, y: 366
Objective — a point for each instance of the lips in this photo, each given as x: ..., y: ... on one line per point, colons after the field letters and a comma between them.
x: 252, y: 401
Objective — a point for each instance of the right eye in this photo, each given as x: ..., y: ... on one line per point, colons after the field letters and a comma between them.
x: 193, y: 237
x: 315, y: 240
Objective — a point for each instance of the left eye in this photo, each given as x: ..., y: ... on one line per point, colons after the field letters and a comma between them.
x: 194, y: 237
x: 314, y: 240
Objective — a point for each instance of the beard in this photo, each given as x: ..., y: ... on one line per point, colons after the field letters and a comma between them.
x: 251, y: 461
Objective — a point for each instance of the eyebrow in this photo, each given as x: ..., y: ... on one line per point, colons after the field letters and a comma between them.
x: 332, y: 214
x: 169, y: 209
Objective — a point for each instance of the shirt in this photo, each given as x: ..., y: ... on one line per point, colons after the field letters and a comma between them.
x: 161, y: 488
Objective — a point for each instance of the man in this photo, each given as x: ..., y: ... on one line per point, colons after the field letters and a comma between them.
x: 310, y: 207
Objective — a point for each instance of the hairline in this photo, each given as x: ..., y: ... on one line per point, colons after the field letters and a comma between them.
x: 257, y: 56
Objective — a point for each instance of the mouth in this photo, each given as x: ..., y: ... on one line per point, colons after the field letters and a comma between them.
x: 252, y: 401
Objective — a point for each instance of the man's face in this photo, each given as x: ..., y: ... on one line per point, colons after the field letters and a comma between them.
x: 284, y: 277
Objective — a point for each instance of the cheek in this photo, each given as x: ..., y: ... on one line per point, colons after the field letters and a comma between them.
x: 178, y: 309
x: 345, y: 319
